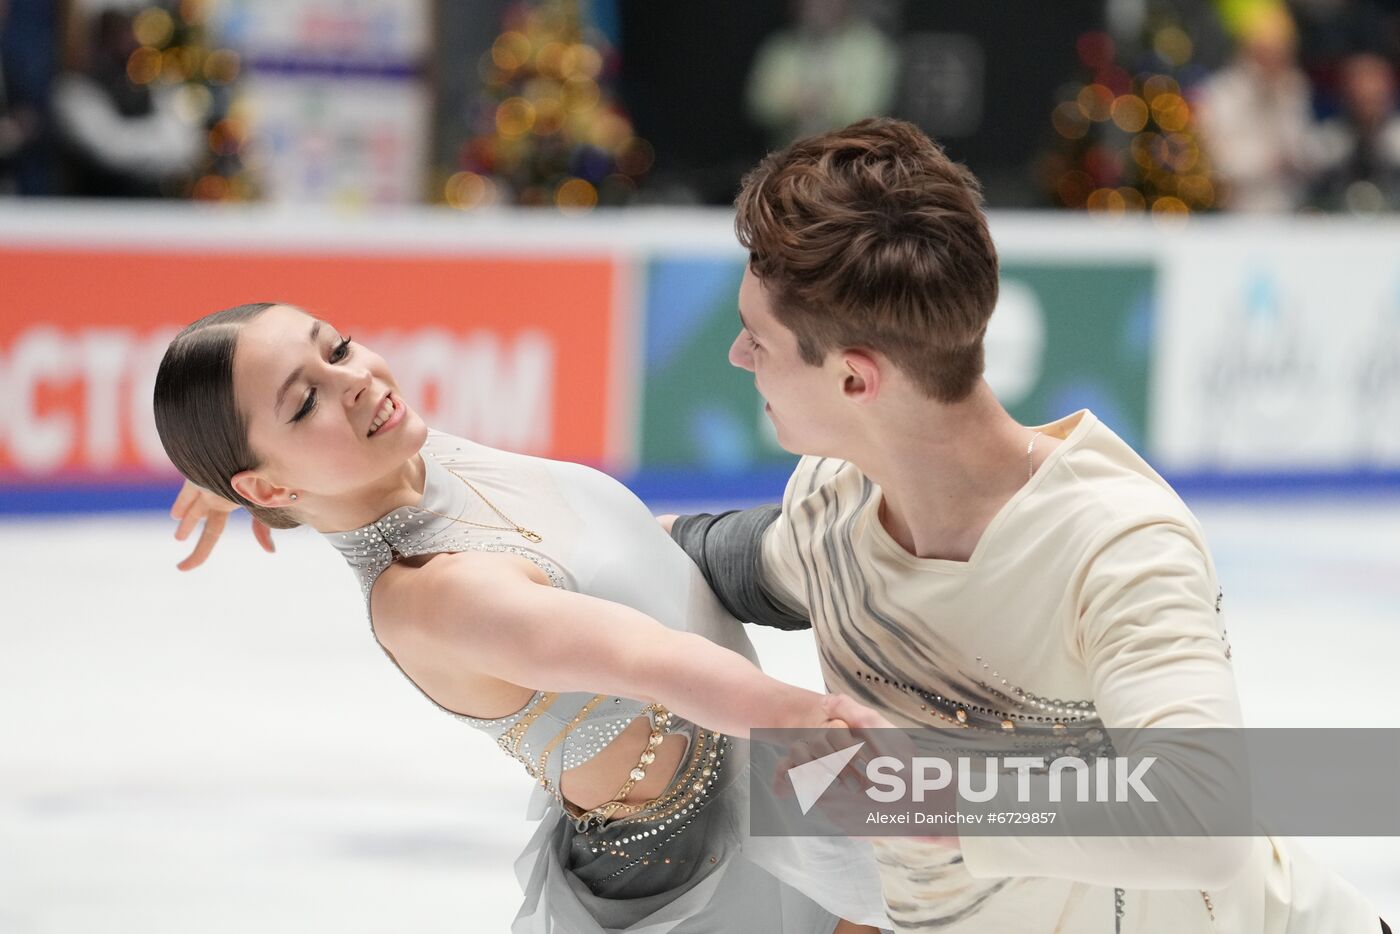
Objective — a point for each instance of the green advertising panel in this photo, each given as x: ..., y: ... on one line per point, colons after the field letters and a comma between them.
x: 1069, y: 336
x: 1065, y: 336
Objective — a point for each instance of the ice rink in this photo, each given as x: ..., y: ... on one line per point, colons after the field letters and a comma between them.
x: 228, y: 751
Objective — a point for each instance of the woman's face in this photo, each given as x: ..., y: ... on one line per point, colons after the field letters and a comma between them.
x: 314, y: 406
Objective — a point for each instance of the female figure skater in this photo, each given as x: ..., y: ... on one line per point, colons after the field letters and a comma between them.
x: 538, y: 601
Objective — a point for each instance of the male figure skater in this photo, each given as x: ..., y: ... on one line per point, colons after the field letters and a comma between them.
x: 958, y: 568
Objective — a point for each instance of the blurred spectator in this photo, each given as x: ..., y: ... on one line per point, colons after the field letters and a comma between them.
x: 21, y: 121
x: 831, y: 68
x: 1256, y: 118
x: 1330, y: 31
x: 1360, y: 149
x: 123, y: 137
x: 16, y: 126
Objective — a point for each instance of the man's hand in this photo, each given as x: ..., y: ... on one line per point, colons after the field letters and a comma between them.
x: 195, y: 503
x: 667, y: 521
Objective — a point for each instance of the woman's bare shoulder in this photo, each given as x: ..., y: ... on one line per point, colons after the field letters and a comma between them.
x: 423, y: 591
x: 423, y: 611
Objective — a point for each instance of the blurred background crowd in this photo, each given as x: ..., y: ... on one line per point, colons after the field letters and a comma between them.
x: 1165, y: 106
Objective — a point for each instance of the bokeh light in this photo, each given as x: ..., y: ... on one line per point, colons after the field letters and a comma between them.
x: 575, y: 196
x: 1173, y: 45
x: 1170, y: 206
x: 144, y: 65
x: 467, y: 190
x: 1072, y: 188
x: 510, y: 51
x: 194, y: 12
x: 549, y: 60
x: 549, y: 116
x: 1095, y: 102
x: 1197, y: 190
x: 581, y: 61
x: 153, y: 27
x: 1106, y: 201
x: 222, y: 66
x: 1133, y: 201
x: 581, y: 94
x: 211, y: 188
x: 1171, y: 112
x: 1095, y: 49
x: 1069, y: 121
x: 1130, y: 113
x: 515, y: 117
x: 1159, y: 84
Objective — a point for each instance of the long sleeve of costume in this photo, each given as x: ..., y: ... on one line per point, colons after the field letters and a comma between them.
x: 729, y: 550
x: 1145, y: 624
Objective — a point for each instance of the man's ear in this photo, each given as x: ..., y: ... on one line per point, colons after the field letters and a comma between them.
x: 260, y: 491
x: 860, y: 376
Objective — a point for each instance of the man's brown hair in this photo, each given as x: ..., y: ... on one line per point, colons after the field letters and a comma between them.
x: 871, y: 237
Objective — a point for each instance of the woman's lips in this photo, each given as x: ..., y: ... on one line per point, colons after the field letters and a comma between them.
x: 392, y: 420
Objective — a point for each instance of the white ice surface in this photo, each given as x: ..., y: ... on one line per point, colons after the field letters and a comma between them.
x: 228, y: 751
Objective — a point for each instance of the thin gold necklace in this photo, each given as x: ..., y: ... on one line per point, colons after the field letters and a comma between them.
x: 511, y: 526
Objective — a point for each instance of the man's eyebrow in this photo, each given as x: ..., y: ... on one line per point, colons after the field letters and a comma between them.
x: 296, y: 374
x: 745, y: 323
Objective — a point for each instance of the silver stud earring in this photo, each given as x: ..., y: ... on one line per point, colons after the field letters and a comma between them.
x: 294, y: 497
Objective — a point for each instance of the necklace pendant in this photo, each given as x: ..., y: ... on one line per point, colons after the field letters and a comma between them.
x: 530, y: 536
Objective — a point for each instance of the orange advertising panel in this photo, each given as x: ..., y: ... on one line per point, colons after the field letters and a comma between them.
x: 514, y: 352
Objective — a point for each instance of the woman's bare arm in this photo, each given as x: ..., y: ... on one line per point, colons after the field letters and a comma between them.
x: 494, y: 614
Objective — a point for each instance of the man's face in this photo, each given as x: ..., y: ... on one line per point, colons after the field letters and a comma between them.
x: 803, y: 401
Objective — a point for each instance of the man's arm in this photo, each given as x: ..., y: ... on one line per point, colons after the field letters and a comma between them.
x: 728, y: 549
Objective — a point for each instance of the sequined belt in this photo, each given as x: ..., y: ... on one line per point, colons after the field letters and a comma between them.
x: 641, y: 838
x: 659, y: 717
x: 694, y: 781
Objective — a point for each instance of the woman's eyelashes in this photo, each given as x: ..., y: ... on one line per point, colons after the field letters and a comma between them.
x: 338, y: 353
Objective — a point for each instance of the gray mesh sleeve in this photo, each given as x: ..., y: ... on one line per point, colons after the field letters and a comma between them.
x: 728, y: 548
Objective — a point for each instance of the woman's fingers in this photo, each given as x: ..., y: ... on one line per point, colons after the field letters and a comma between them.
x: 263, y: 534
x: 188, y: 521
x: 857, y: 715
x: 214, y: 524
x: 187, y: 495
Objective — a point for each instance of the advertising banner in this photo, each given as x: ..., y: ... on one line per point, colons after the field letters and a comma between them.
x: 337, y: 96
x: 1072, y: 335
x: 515, y: 352
x: 1279, y: 355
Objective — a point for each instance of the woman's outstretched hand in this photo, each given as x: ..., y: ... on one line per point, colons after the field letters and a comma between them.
x: 855, y: 715
x: 195, y: 503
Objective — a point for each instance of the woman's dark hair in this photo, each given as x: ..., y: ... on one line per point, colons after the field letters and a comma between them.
x: 197, y: 417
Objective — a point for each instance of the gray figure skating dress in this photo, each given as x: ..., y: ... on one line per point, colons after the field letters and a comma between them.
x: 685, y: 863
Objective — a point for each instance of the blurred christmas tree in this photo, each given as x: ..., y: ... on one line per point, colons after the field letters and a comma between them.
x: 1126, y: 136
x: 546, y: 129
x: 176, y: 51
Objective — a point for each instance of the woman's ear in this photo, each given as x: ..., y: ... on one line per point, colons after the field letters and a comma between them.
x: 260, y: 491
